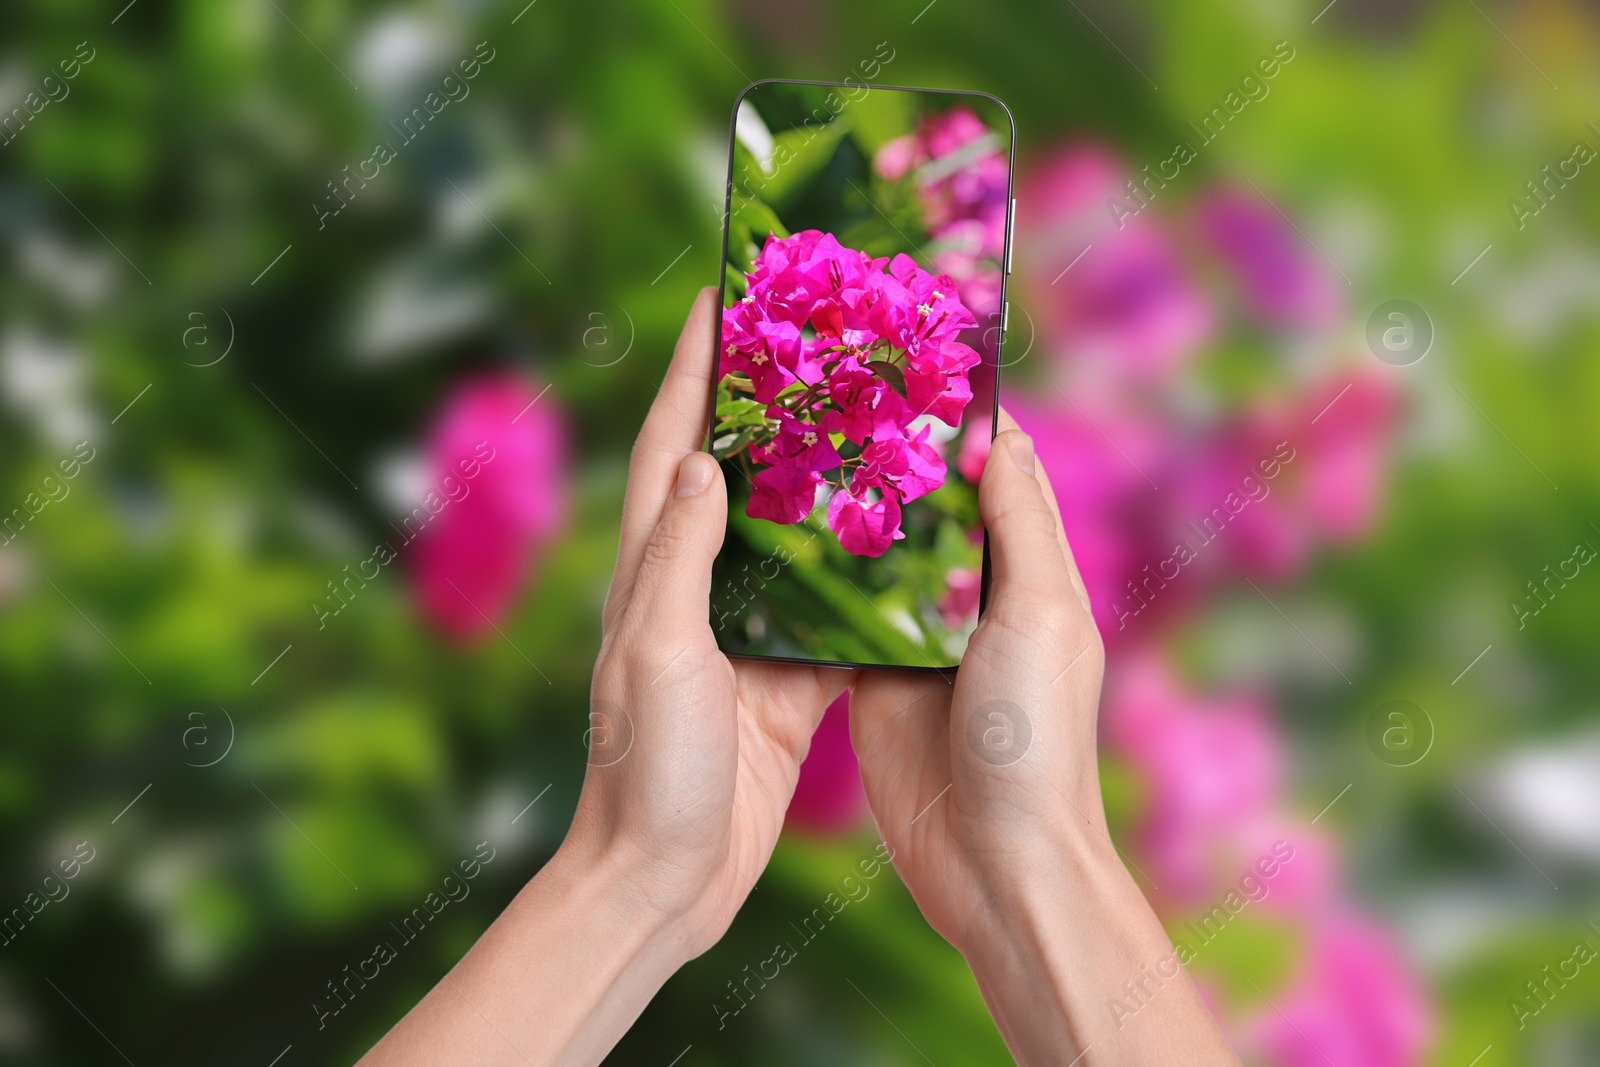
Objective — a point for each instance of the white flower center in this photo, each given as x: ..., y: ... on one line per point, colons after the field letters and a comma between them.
x: 809, y: 437
x: 937, y: 295
x: 924, y: 309
x: 733, y: 350
x: 759, y: 359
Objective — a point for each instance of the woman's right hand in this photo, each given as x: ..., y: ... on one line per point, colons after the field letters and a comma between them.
x: 987, y: 790
x: 970, y: 778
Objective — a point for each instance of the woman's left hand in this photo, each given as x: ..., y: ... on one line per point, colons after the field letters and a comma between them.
x: 692, y: 762
x: 694, y: 758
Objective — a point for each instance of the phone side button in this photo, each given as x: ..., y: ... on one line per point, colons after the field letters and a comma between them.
x: 1005, y: 317
x: 1011, y: 234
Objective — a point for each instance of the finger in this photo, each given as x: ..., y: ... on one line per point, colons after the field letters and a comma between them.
x: 790, y: 699
x: 899, y: 727
x: 1009, y: 423
x: 677, y: 424
x: 1027, y: 563
x: 672, y: 589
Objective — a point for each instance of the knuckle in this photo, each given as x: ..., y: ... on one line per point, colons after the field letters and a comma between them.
x: 643, y: 659
x: 1030, y: 517
x: 666, y: 544
x: 1054, y: 620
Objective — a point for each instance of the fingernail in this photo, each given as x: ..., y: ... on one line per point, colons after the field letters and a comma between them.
x: 1022, y: 451
x: 694, y: 474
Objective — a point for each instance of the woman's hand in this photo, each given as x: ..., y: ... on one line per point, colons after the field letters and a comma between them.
x: 693, y: 758
x: 972, y: 782
x: 988, y: 792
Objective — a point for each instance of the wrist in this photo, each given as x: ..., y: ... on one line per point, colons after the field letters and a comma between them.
x: 1074, y: 902
x: 1073, y: 864
x: 1052, y: 856
x: 612, y: 885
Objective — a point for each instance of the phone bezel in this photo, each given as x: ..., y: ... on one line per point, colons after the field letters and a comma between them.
x: 1005, y: 272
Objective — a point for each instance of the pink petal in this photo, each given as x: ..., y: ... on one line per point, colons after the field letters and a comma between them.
x: 864, y: 529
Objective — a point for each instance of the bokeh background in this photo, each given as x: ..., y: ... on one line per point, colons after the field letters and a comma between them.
x: 257, y: 741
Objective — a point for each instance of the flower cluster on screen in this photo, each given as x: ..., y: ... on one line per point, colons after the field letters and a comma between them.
x: 831, y: 361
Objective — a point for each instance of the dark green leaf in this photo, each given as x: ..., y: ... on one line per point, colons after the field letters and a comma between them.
x: 889, y: 373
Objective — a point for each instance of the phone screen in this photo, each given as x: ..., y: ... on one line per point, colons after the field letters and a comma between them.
x: 855, y: 373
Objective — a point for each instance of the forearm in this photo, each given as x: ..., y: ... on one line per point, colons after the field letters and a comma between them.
x: 1062, y: 948
x: 556, y: 980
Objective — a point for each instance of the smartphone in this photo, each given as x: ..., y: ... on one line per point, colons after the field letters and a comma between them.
x: 866, y: 243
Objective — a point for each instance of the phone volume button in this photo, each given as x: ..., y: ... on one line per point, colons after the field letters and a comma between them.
x: 1011, y: 234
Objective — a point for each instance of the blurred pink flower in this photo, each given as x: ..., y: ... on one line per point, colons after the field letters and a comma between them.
x: 979, y: 431
x: 975, y: 191
x: 965, y: 208
x: 1307, y: 883
x: 828, y: 798
x: 1347, y: 452
x: 1325, y: 483
x: 1104, y: 499
x: 1354, y: 1004
x: 1237, y: 496
x: 1211, y: 766
x: 1283, y: 279
x: 959, y: 605
x: 1129, y: 302
x: 474, y: 556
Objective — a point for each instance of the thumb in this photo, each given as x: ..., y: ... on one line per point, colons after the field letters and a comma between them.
x: 1026, y: 564
x: 674, y: 582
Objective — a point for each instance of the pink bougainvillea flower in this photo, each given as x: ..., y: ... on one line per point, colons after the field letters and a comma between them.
x: 1130, y: 302
x: 864, y: 405
x: 922, y: 315
x: 828, y: 797
x: 766, y: 352
x: 907, y: 468
x: 793, y: 275
x: 478, y: 549
x: 937, y: 376
x: 798, y: 444
x: 865, y: 529
x: 1211, y: 764
x: 1235, y: 499
x: 1355, y: 1002
x: 943, y: 395
x: 925, y: 465
x: 785, y: 493
x: 968, y: 250
x: 894, y: 159
x: 831, y: 343
x: 1284, y: 281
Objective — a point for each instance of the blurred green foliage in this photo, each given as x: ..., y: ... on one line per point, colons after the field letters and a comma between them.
x: 191, y: 152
